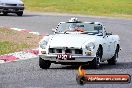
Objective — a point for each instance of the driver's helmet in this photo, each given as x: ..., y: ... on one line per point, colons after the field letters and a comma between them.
x: 74, y: 20
x: 73, y: 26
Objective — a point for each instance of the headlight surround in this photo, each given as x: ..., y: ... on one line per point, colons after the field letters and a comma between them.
x: 43, y: 44
x: 90, y: 46
x: 20, y: 4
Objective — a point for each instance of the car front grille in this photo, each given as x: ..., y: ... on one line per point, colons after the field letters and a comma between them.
x: 11, y: 4
x: 65, y: 51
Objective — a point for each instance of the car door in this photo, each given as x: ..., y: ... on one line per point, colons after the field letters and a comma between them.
x: 112, y: 46
x: 107, y: 47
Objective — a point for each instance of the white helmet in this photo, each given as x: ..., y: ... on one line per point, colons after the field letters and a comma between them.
x: 74, y: 20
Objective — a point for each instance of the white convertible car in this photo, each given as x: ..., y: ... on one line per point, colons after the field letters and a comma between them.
x: 75, y: 42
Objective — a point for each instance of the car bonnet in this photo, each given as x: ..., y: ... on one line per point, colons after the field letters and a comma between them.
x: 70, y: 40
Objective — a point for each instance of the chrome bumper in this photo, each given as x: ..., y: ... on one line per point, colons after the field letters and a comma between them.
x: 80, y: 58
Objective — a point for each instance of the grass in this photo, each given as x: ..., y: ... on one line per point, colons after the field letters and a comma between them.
x: 13, y: 41
x: 122, y: 8
x: 9, y: 47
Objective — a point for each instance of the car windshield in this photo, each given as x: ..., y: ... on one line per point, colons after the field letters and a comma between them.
x: 79, y: 27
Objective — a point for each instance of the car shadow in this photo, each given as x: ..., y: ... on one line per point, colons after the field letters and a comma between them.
x: 119, y: 65
x: 14, y: 15
x: 25, y: 15
x: 104, y: 66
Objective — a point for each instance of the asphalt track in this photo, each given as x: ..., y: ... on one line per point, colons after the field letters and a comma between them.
x: 27, y: 74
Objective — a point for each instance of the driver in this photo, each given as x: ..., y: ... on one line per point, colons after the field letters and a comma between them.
x: 75, y: 28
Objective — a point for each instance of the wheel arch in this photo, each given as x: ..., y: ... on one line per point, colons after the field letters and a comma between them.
x: 118, y: 47
x: 100, y: 47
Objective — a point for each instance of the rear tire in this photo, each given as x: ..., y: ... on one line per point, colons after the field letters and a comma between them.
x: 44, y: 64
x: 113, y: 60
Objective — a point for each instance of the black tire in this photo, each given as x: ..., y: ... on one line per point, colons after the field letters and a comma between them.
x: 113, y: 60
x: 95, y: 64
x: 44, y: 64
x: 96, y: 61
x: 19, y: 13
x: 5, y: 13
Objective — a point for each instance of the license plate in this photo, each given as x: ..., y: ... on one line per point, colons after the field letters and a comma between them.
x: 64, y: 57
x: 11, y: 9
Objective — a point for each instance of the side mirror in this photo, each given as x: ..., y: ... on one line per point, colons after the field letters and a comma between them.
x: 108, y: 33
x: 53, y: 30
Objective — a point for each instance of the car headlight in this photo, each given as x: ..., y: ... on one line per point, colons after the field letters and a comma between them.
x: 90, y: 46
x: 2, y: 4
x: 20, y: 4
x: 43, y: 44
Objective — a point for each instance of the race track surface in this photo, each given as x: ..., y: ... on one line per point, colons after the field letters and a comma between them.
x: 27, y: 74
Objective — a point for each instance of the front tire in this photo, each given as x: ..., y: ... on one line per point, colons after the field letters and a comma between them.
x: 19, y: 13
x: 5, y: 13
x: 44, y: 64
x: 96, y: 61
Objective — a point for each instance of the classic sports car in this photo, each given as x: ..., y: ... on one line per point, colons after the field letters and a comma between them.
x: 75, y: 42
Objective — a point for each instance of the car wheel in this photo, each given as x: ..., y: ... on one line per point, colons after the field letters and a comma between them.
x: 5, y: 13
x: 113, y: 60
x: 96, y: 61
x: 44, y: 64
x: 19, y: 13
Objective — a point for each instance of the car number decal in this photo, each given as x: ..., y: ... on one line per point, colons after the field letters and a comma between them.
x: 64, y: 57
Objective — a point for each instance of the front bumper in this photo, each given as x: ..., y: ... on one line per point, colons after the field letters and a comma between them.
x: 11, y: 9
x: 80, y: 58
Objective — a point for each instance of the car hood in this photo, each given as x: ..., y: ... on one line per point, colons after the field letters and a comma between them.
x: 70, y: 40
x: 11, y: 1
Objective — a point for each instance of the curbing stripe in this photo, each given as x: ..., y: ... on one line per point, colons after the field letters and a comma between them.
x: 17, y: 29
x: 23, y: 55
x: 25, y: 30
x: 8, y: 58
x: 36, y: 33
x: 2, y: 61
x: 16, y: 56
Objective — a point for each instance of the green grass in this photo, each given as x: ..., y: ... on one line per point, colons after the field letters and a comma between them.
x: 9, y: 47
x: 87, y: 7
